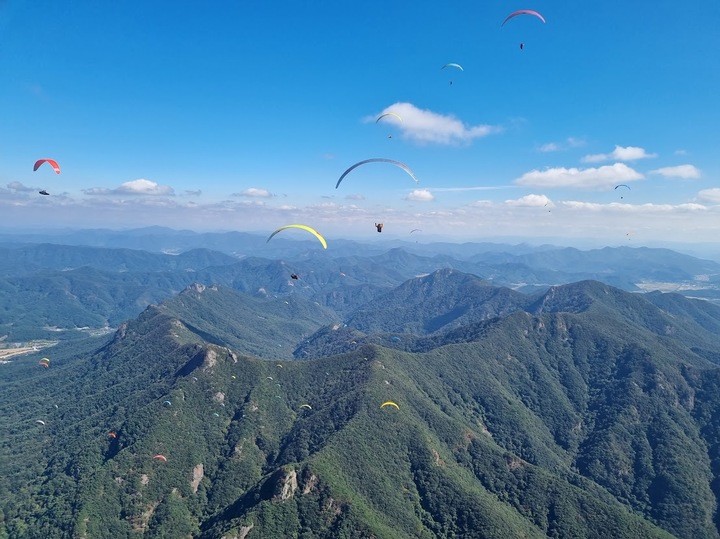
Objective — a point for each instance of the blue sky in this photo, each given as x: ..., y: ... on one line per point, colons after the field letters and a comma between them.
x: 241, y: 116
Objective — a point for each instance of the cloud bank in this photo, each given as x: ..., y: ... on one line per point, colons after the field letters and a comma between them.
x: 590, y: 178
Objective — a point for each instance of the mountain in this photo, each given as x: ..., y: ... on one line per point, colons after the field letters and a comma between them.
x: 584, y: 411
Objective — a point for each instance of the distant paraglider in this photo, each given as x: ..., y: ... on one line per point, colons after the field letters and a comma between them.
x: 40, y: 422
x: 456, y: 66
x: 385, y: 115
x: 306, y: 406
x: 622, y: 185
x: 111, y: 434
x: 160, y: 457
x: 44, y: 192
x: 294, y: 276
x: 50, y: 162
x: 377, y: 160
x: 167, y: 403
x: 523, y: 12
x: 389, y: 403
x: 379, y: 227
x: 302, y: 227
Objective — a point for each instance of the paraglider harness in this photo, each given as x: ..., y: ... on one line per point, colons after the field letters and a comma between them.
x: 379, y: 226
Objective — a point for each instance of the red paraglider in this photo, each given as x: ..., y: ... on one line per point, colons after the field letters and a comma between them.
x: 50, y: 162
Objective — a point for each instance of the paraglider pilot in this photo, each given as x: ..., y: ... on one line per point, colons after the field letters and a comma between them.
x: 379, y: 226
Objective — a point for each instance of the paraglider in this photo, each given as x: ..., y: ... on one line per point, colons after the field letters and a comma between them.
x: 44, y: 192
x: 522, y: 45
x: 167, y: 403
x: 294, y: 276
x: 377, y: 160
x: 306, y: 406
x: 46, y: 365
x: 302, y: 227
x: 456, y: 66
x: 523, y: 12
x: 41, y: 422
x: 269, y: 378
x: 379, y: 226
x: 622, y: 185
x: 160, y: 457
x: 389, y: 403
x: 50, y: 162
x: 415, y: 230
x: 388, y: 114
x: 111, y: 434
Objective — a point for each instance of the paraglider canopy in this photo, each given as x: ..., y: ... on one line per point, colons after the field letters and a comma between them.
x: 301, y: 227
x: 457, y: 66
x: 294, y: 276
x: 377, y: 160
x: 111, y: 434
x: 388, y: 114
x: 44, y: 192
x: 50, y: 162
x: 160, y: 457
x: 306, y: 406
x: 389, y: 403
x: 523, y: 12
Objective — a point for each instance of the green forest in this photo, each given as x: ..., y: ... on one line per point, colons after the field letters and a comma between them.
x: 582, y: 412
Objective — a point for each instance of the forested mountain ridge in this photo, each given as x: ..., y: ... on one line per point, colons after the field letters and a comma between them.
x: 581, y: 412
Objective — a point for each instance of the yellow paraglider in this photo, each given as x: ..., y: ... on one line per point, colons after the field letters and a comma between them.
x: 302, y: 227
x: 389, y: 403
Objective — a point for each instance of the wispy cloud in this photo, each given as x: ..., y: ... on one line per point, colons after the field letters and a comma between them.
x: 568, y: 143
x: 589, y: 178
x: 685, y: 172
x: 474, y: 188
x: 192, y: 193
x: 18, y: 186
x: 254, y: 192
x: 420, y: 195
x: 427, y: 127
x: 620, y: 153
x: 710, y: 195
x: 354, y: 196
x: 134, y: 187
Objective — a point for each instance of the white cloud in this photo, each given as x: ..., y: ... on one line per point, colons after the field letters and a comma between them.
x: 134, y: 187
x: 425, y: 126
x: 191, y: 193
x: 420, y: 195
x: 254, y: 192
x: 570, y: 142
x: 627, y: 153
x: 534, y: 201
x: 549, y: 147
x: 589, y: 178
x: 354, y: 196
x: 710, y: 195
x: 685, y: 172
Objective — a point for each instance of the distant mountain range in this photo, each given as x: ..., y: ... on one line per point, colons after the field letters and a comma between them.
x: 51, y: 290
x: 578, y: 410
